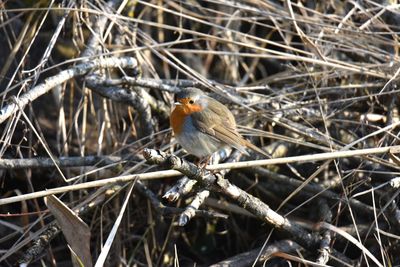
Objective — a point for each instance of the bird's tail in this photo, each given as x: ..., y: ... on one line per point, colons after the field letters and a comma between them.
x: 255, y: 148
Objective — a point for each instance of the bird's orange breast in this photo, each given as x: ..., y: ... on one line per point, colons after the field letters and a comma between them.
x: 179, y: 114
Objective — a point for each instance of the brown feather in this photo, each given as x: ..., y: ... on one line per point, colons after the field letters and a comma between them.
x: 217, y: 121
x: 255, y: 148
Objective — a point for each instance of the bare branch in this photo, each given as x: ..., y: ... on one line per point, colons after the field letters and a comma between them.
x: 215, y: 182
x: 60, y: 78
x: 61, y: 162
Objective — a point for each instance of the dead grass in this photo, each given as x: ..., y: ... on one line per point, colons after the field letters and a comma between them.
x: 301, y: 77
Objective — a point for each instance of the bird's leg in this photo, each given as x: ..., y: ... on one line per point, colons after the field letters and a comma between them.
x: 206, y: 161
x: 202, y: 163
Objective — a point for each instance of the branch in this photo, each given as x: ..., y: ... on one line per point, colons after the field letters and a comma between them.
x: 259, y: 255
x: 136, y: 98
x: 97, y: 37
x: 192, y: 170
x: 190, y: 210
x: 214, y: 182
x: 60, y: 78
x: 61, y: 162
x: 168, y: 211
x: 307, y: 158
x: 172, y: 86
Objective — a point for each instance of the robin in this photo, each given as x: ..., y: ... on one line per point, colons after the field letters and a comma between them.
x: 202, y: 125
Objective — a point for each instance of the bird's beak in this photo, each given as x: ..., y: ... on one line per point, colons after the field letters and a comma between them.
x: 178, y: 104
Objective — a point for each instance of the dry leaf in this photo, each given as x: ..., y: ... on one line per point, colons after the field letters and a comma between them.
x: 76, y: 231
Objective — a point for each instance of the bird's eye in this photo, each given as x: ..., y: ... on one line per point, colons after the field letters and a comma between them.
x: 191, y: 101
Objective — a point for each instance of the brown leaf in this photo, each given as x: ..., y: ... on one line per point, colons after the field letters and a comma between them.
x: 76, y: 231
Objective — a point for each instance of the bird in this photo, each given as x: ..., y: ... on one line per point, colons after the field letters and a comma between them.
x: 202, y: 125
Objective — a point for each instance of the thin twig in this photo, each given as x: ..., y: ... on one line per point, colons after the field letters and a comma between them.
x: 61, y: 162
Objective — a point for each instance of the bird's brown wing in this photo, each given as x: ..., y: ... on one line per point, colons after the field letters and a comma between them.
x: 218, y: 122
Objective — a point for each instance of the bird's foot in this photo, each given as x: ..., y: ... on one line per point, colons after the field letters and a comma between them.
x: 202, y: 163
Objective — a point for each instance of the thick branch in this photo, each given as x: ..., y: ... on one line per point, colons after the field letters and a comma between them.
x: 214, y: 182
x: 137, y: 99
x: 60, y: 78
